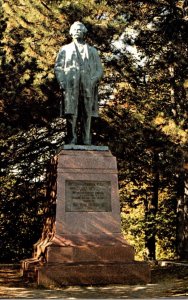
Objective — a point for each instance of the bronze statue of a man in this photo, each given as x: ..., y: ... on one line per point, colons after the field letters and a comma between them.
x: 78, y: 70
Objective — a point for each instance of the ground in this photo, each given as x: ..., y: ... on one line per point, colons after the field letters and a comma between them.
x: 170, y: 281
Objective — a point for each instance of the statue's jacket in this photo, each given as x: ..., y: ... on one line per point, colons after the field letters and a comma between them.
x: 68, y: 70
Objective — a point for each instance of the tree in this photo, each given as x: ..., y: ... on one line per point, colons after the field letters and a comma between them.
x: 145, y: 97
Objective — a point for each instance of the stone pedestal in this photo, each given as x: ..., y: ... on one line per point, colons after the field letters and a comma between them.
x: 88, y: 246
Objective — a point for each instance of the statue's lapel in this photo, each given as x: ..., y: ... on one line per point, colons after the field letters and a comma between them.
x: 86, y: 51
x: 71, y: 54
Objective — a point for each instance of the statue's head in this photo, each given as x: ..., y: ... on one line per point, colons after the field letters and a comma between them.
x: 77, y: 27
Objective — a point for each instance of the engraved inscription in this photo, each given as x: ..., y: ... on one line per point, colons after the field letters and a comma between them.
x: 84, y: 195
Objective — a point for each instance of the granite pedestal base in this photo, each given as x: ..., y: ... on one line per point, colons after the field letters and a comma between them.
x: 88, y: 247
x: 95, y: 273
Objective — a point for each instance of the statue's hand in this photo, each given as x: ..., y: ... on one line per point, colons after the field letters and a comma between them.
x: 94, y: 81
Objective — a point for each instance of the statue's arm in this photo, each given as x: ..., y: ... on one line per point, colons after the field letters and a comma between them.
x: 59, y: 68
x: 99, y: 68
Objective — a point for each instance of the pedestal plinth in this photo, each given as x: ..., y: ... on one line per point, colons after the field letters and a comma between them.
x: 88, y: 246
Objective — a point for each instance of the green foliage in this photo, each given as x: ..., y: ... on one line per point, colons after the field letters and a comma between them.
x: 23, y: 208
x: 148, y: 117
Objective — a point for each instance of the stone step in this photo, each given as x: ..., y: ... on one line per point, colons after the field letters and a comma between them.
x: 58, y: 274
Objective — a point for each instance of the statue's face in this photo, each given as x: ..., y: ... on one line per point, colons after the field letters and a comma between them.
x: 77, y: 32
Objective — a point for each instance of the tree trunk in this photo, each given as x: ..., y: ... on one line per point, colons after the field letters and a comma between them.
x: 49, y: 221
x: 182, y: 216
x: 151, y: 208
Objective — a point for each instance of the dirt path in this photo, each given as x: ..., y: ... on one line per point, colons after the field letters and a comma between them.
x: 166, y: 282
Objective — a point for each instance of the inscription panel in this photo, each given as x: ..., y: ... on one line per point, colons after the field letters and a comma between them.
x: 87, y: 196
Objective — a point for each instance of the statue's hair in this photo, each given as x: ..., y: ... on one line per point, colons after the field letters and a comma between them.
x: 75, y: 24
